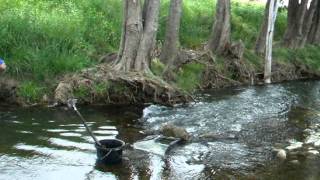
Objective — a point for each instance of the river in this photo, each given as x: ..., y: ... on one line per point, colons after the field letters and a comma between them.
x: 241, y: 127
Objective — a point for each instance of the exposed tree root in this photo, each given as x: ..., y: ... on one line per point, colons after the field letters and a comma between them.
x: 104, y: 85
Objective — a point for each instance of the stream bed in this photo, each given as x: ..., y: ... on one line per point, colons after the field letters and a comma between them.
x: 236, y: 132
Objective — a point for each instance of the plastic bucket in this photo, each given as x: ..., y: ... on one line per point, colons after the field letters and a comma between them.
x: 110, y: 152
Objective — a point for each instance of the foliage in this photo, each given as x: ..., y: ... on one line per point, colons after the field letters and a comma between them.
x: 31, y: 92
x: 157, y: 67
x: 308, y: 56
x: 101, y: 88
x: 189, y: 76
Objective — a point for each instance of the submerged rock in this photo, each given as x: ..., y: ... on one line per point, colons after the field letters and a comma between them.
x: 281, y: 154
x: 171, y: 130
x: 313, y: 152
x: 294, y: 162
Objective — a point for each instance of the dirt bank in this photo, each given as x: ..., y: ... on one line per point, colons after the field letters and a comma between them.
x: 103, y: 85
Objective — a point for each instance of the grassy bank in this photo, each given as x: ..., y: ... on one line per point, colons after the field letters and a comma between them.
x: 41, y: 40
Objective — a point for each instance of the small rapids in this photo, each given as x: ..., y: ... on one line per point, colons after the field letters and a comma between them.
x: 234, y: 135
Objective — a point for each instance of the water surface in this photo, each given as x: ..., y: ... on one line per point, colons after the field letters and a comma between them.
x: 248, y: 122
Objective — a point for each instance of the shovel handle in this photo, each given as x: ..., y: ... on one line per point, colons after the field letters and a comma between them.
x: 72, y: 104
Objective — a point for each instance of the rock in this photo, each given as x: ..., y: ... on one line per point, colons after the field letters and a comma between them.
x: 45, y: 98
x: 313, y: 152
x: 317, y: 143
x: 63, y: 92
x: 280, y: 154
x: 294, y: 162
x: 308, y: 131
x: 171, y: 130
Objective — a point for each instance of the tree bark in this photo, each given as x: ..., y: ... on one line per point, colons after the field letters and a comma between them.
x: 260, y: 46
x: 272, y: 15
x: 148, y: 36
x: 221, y: 34
x: 307, y: 24
x: 299, y: 23
x: 314, y: 34
x: 123, y: 33
x: 171, y: 43
x: 137, y: 35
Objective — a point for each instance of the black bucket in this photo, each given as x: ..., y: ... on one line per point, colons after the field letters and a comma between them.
x: 110, y: 152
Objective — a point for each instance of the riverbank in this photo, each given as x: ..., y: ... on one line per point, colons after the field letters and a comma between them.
x: 44, y: 42
x: 102, y: 85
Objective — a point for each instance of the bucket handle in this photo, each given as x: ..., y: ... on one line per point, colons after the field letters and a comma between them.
x: 105, y: 156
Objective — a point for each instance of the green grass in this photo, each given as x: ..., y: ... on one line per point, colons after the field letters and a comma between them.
x: 31, y: 92
x: 45, y: 39
x: 189, y: 77
x: 308, y: 56
x: 157, y: 67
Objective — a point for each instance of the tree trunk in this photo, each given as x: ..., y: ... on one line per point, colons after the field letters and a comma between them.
x: 221, y: 35
x: 272, y: 15
x: 314, y: 34
x: 261, y: 41
x: 123, y: 33
x: 310, y: 14
x: 148, y: 36
x: 299, y: 23
x: 171, y: 43
x: 137, y: 35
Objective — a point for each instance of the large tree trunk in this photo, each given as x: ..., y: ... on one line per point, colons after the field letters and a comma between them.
x: 272, y: 15
x: 123, y: 33
x: 307, y: 24
x: 148, y: 36
x: 314, y: 34
x: 261, y: 40
x: 299, y: 23
x: 171, y: 43
x: 221, y: 35
x: 138, y: 35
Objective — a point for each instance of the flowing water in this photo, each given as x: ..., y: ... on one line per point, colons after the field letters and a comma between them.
x: 234, y: 130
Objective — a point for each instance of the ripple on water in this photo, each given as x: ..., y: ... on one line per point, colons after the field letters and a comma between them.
x: 70, y: 125
x: 70, y: 157
x: 25, y: 132
x: 57, y: 130
x: 67, y: 143
x: 70, y: 134
x: 111, y: 132
x: 108, y: 127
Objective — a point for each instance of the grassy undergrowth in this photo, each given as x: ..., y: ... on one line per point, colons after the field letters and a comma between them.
x: 42, y: 40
